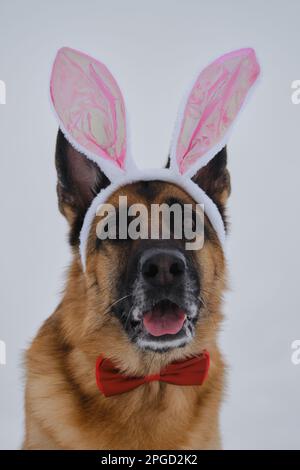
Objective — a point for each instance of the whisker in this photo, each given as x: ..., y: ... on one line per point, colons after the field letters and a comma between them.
x: 202, y: 301
x: 128, y: 317
x: 116, y: 302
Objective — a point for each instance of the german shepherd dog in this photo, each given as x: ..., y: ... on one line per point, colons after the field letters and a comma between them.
x: 64, y: 408
x: 144, y: 305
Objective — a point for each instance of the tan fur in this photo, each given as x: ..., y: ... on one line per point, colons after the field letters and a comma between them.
x: 64, y: 408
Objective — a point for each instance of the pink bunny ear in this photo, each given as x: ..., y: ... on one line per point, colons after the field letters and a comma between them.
x: 211, y: 108
x: 90, y: 108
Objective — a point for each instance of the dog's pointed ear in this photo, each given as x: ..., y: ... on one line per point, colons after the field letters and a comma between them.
x: 79, y: 181
x: 214, y: 179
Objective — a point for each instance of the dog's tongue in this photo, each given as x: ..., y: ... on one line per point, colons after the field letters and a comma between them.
x: 160, y: 322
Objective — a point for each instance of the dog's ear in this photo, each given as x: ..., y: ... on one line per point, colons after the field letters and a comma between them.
x: 214, y: 179
x: 79, y: 181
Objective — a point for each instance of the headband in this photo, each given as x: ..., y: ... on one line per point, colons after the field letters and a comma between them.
x: 91, y: 113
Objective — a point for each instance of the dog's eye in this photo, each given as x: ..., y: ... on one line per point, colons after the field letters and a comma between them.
x: 113, y: 227
x: 181, y: 217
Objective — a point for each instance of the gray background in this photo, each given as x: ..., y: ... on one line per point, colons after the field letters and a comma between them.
x: 154, y: 48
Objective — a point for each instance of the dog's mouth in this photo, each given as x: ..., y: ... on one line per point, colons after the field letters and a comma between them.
x: 165, y: 318
x: 161, y: 325
x: 165, y: 326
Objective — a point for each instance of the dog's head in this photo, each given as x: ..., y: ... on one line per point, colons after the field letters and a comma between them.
x: 156, y: 292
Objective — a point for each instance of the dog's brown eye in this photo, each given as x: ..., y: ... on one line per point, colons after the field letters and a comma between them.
x: 114, y: 228
x: 185, y: 219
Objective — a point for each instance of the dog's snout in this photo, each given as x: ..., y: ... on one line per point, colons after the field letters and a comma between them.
x: 162, y: 268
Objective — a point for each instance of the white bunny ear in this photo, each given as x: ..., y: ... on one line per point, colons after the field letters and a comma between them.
x: 211, y: 109
x: 90, y: 109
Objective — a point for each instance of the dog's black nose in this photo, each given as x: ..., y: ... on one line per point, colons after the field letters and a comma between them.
x: 161, y: 268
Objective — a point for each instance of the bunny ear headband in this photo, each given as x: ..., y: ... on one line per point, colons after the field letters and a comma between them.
x: 91, y: 113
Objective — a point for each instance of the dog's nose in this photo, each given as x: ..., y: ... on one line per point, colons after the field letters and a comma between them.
x: 161, y: 268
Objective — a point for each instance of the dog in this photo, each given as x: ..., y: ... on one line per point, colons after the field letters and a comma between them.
x: 114, y: 366
x: 64, y: 409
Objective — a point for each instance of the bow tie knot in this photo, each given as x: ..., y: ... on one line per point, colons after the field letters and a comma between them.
x: 191, y: 371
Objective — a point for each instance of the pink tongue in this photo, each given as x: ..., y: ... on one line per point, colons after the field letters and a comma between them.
x: 166, y: 323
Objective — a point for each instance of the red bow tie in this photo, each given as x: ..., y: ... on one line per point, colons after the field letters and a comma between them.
x: 192, y: 371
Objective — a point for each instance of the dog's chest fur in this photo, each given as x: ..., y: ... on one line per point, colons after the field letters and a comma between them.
x: 65, y: 409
